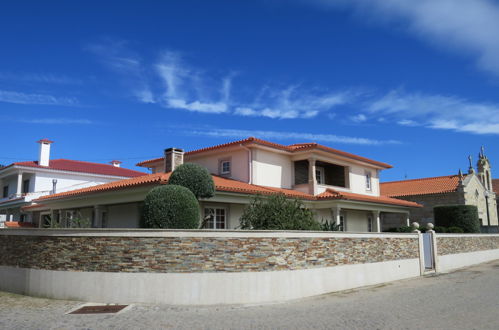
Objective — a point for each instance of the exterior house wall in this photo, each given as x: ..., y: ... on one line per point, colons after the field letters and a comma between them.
x: 356, y: 220
x: 239, y: 163
x: 272, y: 169
x: 123, y: 216
x: 66, y: 182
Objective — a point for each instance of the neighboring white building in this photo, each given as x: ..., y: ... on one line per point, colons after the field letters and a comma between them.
x: 337, y: 185
x: 22, y: 182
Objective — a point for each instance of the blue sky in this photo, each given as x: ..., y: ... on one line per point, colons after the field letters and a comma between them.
x: 414, y: 84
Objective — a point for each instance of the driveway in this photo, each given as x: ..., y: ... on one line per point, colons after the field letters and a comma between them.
x: 466, y: 299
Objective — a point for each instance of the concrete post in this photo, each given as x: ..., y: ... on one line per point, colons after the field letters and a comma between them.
x: 377, y: 221
x: 408, y: 219
x: 337, y: 215
x: 312, y: 179
x: 97, y: 216
x: 19, y: 184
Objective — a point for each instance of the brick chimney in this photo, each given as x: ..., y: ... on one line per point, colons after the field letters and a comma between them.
x: 44, y: 154
x: 173, y: 158
x: 115, y: 163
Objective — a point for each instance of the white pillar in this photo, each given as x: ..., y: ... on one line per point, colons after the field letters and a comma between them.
x: 377, y: 221
x: 19, y: 184
x: 337, y: 215
x: 312, y: 179
x: 97, y: 216
x: 408, y: 219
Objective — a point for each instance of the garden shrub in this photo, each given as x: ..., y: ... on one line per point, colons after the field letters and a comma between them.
x: 462, y: 216
x: 404, y: 229
x: 440, y: 229
x: 277, y: 213
x: 329, y: 225
x: 455, y: 230
x: 194, y: 177
x: 170, y: 206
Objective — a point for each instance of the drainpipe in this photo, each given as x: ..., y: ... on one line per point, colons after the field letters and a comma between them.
x: 250, y: 163
x: 488, y: 214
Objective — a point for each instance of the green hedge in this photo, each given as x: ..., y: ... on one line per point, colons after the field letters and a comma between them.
x: 462, y: 216
x: 194, y: 177
x: 171, y: 207
x: 278, y: 213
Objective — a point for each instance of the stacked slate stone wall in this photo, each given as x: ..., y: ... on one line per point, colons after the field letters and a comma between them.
x: 463, y: 244
x: 200, y: 254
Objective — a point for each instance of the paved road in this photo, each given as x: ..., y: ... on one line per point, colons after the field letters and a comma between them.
x: 466, y: 299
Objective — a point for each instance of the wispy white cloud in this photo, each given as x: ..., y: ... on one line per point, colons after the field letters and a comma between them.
x: 437, y: 111
x: 359, y: 118
x: 42, y: 99
x: 466, y: 26
x: 57, y: 121
x: 187, y: 89
x: 46, y: 78
x: 281, y: 135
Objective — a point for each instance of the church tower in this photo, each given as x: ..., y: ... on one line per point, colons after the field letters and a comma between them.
x: 483, y: 166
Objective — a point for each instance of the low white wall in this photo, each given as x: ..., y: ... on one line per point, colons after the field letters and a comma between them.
x: 459, y: 260
x: 201, y: 288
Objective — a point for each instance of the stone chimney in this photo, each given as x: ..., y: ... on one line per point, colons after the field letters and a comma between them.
x: 115, y: 163
x: 173, y: 158
x: 44, y: 154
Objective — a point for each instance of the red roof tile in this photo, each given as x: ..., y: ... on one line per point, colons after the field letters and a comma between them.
x: 290, y: 148
x: 495, y: 186
x: 423, y: 186
x: 82, y: 167
x: 16, y: 224
x: 227, y: 185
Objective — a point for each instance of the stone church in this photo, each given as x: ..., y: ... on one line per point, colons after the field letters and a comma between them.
x: 474, y: 188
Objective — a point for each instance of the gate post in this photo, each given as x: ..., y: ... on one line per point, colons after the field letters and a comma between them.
x: 434, y: 247
x: 416, y: 230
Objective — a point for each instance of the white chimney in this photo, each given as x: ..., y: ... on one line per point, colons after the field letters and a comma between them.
x: 115, y: 163
x: 44, y: 154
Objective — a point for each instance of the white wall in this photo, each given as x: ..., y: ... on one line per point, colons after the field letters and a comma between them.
x: 272, y: 169
x: 239, y: 163
x: 123, y: 216
x: 358, y: 180
x: 66, y: 182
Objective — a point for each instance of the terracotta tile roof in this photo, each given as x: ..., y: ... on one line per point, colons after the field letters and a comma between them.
x: 16, y: 224
x: 227, y: 185
x: 423, y: 186
x: 82, y: 167
x: 334, y: 194
x: 290, y: 148
x: 495, y: 186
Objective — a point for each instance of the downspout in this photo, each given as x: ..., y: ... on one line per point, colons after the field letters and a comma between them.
x: 250, y: 163
x: 488, y: 214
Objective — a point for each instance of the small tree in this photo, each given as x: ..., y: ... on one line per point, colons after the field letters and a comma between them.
x: 462, y: 216
x: 194, y: 177
x: 278, y: 213
x: 170, y: 206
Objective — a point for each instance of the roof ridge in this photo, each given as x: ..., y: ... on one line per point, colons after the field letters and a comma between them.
x: 422, y: 179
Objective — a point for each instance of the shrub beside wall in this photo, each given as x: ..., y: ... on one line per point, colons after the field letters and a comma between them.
x: 276, y: 212
x: 170, y: 207
x: 461, y: 216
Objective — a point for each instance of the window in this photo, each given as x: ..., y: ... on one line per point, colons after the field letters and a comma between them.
x: 22, y: 218
x: 369, y: 223
x: 319, y: 174
x: 215, y: 218
x: 225, y: 167
x: 368, y: 181
x: 26, y: 186
x: 5, y: 191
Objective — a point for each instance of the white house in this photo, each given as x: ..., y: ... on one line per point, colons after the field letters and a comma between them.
x: 22, y: 182
x: 337, y: 185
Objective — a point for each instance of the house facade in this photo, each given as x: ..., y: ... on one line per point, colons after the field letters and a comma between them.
x: 474, y: 188
x: 336, y: 185
x: 23, y: 182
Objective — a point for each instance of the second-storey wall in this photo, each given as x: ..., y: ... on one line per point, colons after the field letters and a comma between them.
x: 272, y: 169
x: 238, y: 158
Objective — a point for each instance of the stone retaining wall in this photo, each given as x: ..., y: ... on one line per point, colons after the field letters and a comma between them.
x: 200, y: 254
x: 466, y: 243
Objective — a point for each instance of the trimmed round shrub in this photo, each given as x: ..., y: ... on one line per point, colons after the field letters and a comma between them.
x: 462, y: 216
x: 455, y: 230
x: 194, y: 177
x: 440, y: 229
x: 276, y: 212
x: 170, y: 207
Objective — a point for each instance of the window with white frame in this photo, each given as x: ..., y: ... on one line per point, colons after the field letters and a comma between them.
x: 368, y: 181
x: 225, y: 167
x: 215, y: 218
x: 319, y: 174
